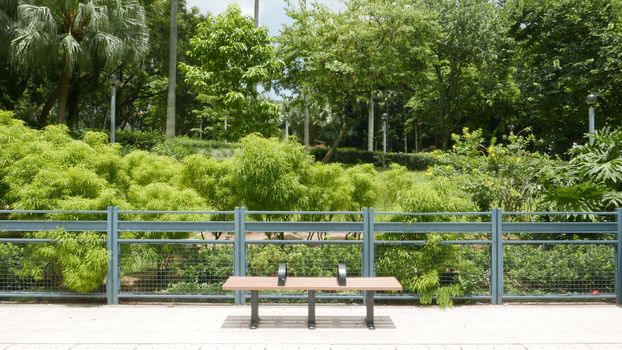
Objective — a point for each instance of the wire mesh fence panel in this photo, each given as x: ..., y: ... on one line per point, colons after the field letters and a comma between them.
x: 68, y: 265
x: 564, y: 269
x: 175, y: 268
x: 466, y: 267
x: 304, y: 259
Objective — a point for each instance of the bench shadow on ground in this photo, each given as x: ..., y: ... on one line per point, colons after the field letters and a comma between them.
x: 349, y: 322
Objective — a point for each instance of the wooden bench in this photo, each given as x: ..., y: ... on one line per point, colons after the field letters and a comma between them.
x: 312, y: 284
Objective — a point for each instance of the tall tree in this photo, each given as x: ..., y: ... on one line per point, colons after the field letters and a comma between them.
x: 172, y: 73
x: 567, y: 49
x: 295, y: 45
x: 373, y: 45
x: 233, y: 58
x: 58, y: 39
x: 470, y: 81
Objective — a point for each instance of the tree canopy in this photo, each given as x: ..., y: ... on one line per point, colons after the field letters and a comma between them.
x: 431, y: 68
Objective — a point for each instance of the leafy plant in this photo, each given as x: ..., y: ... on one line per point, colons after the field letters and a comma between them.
x: 80, y: 258
x: 592, y: 179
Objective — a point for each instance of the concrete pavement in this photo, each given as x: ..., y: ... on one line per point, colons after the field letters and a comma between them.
x: 339, y: 327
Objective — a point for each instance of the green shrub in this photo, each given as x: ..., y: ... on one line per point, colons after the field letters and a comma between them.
x: 303, y: 260
x: 181, y: 147
x: 352, y: 156
x: 193, y: 288
x: 268, y: 174
x: 422, y: 269
x: 560, y: 269
x: 80, y: 258
x: 137, y: 139
x: 207, y: 264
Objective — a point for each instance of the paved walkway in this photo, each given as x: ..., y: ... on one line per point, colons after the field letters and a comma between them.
x: 339, y: 327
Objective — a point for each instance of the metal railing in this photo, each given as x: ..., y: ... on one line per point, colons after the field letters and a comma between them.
x: 163, y: 258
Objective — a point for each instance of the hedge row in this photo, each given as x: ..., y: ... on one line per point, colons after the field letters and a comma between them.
x: 178, y: 147
x: 412, y: 161
x: 182, y: 146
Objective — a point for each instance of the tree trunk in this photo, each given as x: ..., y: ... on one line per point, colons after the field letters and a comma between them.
x: 256, y: 13
x: 370, y: 123
x: 417, y: 137
x: 73, y: 108
x: 307, y: 122
x: 172, y: 74
x: 49, y: 103
x: 62, y: 95
x: 340, y: 137
x: 446, y: 138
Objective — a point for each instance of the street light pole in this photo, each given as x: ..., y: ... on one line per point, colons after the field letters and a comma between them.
x: 385, y: 127
x: 113, y: 107
x: 591, y: 99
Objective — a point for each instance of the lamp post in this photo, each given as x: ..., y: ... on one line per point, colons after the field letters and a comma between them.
x: 385, y: 129
x: 591, y: 99
x: 114, y: 80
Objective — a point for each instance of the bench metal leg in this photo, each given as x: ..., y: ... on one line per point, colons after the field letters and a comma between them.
x: 311, y: 315
x: 254, y: 309
x: 369, y: 302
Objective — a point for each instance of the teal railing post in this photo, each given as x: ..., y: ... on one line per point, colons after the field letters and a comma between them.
x: 112, y: 244
x: 496, y: 263
x: 366, y: 234
x: 239, y: 250
x: 109, y: 245
x: 371, y: 251
x: 619, y: 259
x: 368, y: 245
x: 236, y: 251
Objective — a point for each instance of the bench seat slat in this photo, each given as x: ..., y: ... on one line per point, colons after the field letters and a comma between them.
x: 312, y: 283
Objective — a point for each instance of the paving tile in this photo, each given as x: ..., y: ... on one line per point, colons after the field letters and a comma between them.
x: 419, y: 337
x: 233, y: 347
x: 159, y: 337
x: 110, y: 337
x: 298, y: 347
x: 105, y: 347
x: 168, y: 347
x: 4, y: 346
x: 556, y: 347
x: 597, y: 337
x: 427, y: 347
x: 606, y: 346
x: 362, y: 347
x: 492, y: 347
x: 40, y: 347
x: 543, y: 337
x: 47, y: 337
x: 492, y: 337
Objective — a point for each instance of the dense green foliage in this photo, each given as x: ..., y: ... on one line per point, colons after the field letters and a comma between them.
x: 233, y: 59
x: 511, y: 76
x: 412, y: 161
x: 48, y: 169
x: 433, y: 67
x: 496, y: 66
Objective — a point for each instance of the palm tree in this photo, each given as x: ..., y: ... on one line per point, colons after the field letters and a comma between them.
x: 172, y: 74
x: 61, y: 38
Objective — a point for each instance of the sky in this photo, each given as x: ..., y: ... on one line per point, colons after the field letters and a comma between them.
x: 271, y: 12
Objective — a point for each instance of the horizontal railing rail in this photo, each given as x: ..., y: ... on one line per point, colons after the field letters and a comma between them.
x: 149, y: 258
